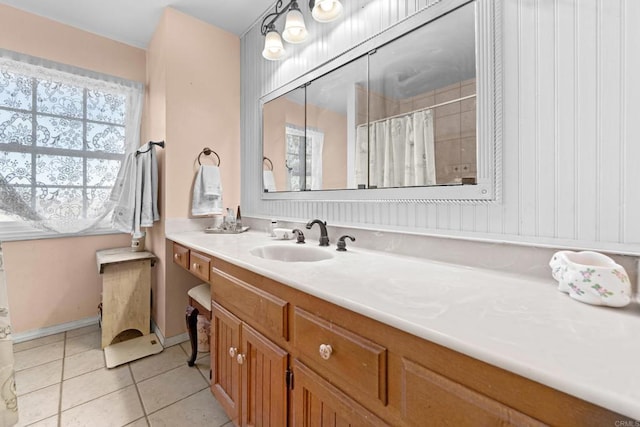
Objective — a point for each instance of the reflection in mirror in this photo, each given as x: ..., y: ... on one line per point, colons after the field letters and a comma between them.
x: 402, y: 115
x: 333, y: 108
x: 422, y: 106
x: 280, y: 118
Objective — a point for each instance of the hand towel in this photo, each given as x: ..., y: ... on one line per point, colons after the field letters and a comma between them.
x: 135, y: 192
x: 269, y: 181
x: 207, y: 181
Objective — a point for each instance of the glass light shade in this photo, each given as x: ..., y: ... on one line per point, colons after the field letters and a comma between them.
x: 326, y: 10
x: 294, y: 29
x: 273, y: 49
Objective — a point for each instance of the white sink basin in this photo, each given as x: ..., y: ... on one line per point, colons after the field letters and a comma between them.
x: 291, y: 253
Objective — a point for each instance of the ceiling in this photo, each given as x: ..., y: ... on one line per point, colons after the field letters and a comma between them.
x: 134, y: 21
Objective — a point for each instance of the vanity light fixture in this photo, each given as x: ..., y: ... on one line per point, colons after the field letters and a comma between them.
x: 295, y: 30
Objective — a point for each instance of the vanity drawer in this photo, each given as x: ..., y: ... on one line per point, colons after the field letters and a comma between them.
x: 199, y: 265
x: 261, y: 310
x: 181, y: 255
x: 352, y: 361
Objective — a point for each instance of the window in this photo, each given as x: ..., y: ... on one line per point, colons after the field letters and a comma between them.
x: 303, y: 160
x: 63, y: 138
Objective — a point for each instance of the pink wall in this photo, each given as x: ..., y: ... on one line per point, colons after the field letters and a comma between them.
x: 194, y: 102
x: 55, y: 281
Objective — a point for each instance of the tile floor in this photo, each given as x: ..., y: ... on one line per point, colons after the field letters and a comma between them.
x: 62, y: 380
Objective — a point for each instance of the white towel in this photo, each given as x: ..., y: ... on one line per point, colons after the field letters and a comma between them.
x: 269, y: 181
x: 136, y: 192
x: 207, y: 181
x: 146, y: 188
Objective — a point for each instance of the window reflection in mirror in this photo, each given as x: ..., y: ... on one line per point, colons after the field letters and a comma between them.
x: 401, y: 116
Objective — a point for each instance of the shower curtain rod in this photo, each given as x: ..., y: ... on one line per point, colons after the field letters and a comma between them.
x: 442, y: 104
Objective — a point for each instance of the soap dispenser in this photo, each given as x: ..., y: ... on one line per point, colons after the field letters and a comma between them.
x: 272, y: 228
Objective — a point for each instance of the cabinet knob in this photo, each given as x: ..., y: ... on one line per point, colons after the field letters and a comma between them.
x: 196, y: 266
x: 240, y: 359
x: 176, y: 256
x: 325, y: 351
x: 233, y: 351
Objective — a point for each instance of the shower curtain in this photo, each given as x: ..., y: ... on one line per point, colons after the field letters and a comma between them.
x: 8, y: 399
x: 400, y: 151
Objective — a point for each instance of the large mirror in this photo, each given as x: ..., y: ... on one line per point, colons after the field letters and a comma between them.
x: 398, y: 119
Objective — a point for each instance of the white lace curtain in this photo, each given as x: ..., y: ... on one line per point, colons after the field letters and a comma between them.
x: 64, y: 133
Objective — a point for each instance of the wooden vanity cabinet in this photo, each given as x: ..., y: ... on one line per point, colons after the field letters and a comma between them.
x: 268, y: 368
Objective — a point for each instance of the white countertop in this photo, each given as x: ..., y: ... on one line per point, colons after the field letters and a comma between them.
x: 520, y: 324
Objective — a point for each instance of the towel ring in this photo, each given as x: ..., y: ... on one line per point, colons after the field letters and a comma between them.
x: 207, y: 152
x: 266, y: 159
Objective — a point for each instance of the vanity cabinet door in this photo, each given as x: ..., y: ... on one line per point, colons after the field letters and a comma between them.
x: 264, y: 370
x: 225, y: 370
x: 181, y: 255
x: 248, y: 372
x: 315, y: 402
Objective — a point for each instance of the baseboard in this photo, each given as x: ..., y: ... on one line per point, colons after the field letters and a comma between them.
x: 168, y: 342
x: 52, y: 330
x: 76, y: 324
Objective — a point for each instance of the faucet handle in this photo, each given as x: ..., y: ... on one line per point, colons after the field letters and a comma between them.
x: 342, y: 245
x: 299, y: 235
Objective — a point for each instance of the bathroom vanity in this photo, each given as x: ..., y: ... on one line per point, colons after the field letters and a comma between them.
x: 367, y: 338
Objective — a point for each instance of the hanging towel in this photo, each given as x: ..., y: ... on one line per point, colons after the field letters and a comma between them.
x: 136, y: 192
x: 207, y: 192
x: 269, y: 181
x: 146, y: 211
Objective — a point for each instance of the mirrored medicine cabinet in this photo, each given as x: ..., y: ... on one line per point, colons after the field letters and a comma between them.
x: 410, y: 114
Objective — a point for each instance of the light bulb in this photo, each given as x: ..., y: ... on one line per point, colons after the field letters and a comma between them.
x: 326, y: 10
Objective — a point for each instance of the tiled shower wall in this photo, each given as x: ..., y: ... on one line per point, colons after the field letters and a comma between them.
x: 570, y: 109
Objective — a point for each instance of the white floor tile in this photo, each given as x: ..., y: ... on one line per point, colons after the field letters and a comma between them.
x: 200, y: 409
x: 47, y: 422
x: 165, y: 389
x: 38, y: 356
x: 26, y: 345
x: 170, y: 358
x: 32, y: 379
x: 84, y: 362
x: 115, y: 409
x: 38, y: 405
x: 86, y: 342
x: 142, y: 422
x: 86, y: 387
x: 84, y: 330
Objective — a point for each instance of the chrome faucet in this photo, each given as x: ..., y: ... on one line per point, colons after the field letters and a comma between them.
x: 324, y: 239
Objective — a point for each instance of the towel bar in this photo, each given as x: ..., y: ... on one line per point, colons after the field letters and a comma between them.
x: 266, y: 159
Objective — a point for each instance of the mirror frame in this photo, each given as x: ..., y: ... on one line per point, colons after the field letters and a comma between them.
x: 488, y: 187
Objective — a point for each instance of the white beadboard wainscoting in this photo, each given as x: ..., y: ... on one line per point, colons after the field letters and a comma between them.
x: 571, y: 121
